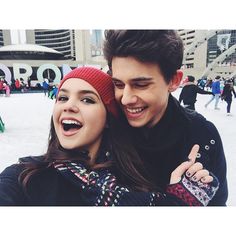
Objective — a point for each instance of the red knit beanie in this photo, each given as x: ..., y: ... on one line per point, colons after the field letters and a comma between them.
x: 100, y: 81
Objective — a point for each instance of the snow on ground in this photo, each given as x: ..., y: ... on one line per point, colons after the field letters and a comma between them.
x: 27, y: 119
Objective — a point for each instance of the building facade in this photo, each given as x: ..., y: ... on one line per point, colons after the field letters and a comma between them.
x: 208, y: 53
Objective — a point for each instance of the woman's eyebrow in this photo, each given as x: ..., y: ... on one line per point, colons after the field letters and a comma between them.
x: 80, y: 92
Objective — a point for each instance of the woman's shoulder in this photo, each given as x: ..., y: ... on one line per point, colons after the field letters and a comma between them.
x: 16, y: 168
x: 31, y: 159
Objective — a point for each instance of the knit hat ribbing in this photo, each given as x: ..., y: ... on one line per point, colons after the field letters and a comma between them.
x: 100, y: 81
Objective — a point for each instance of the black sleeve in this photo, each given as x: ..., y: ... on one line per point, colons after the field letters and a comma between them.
x: 234, y: 93
x: 11, y: 192
x: 217, y: 165
x: 201, y: 91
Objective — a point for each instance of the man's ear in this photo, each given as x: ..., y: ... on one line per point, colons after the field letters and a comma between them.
x: 176, y: 80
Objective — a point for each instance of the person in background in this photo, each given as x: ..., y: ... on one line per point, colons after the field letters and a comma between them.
x: 17, y: 84
x: 189, y: 93
x: 45, y: 86
x: 227, y: 95
x: 216, y: 93
x: 1, y: 87
x: 145, y: 66
x: 90, y: 160
x: 53, y: 92
x: 6, y: 87
x: 22, y: 85
x: 2, y: 125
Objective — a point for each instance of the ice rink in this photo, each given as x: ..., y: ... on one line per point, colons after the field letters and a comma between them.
x: 27, y: 118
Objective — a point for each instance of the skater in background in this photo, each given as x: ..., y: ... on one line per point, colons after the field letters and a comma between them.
x: 2, y: 125
x: 7, y: 89
x: 189, y: 93
x: 216, y: 93
x: 45, y: 86
x: 226, y: 95
x: 90, y: 159
x: 1, y: 87
x: 22, y: 85
x: 209, y: 84
x: 17, y: 84
x: 53, y: 92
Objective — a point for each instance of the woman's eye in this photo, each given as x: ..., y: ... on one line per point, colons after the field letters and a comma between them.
x: 88, y: 100
x: 62, y: 98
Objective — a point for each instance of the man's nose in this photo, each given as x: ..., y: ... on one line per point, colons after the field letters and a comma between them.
x: 128, y: 96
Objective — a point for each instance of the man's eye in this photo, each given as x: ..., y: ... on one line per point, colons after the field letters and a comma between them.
x: 141, y: 85
x: 62, y: 98
x: 118, y: 84
x: 88, y: 100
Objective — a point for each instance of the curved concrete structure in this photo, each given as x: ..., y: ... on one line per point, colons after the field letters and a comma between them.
x: 219, y: 59
x: 29, y: 51
x: 196, y: 43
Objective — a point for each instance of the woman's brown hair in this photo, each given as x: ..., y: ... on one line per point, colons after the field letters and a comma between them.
x: 125, y: 160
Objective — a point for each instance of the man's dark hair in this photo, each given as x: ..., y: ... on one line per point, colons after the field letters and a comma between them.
x: 217, y: 77
x: 162, y: 47
x: 191, y: 78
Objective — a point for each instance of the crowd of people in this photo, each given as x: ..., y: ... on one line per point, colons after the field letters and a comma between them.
x: 113, y: 140
x: 17, y: 85
x: 219, y: 88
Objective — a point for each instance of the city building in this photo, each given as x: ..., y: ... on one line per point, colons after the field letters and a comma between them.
x: 208, y: 53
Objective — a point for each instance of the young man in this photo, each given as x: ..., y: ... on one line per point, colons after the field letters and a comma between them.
x: 216, y: 93
x: 189, y: 93
x: 145, y: 66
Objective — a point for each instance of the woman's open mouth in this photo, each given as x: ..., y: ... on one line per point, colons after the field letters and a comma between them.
x: 70, y: 127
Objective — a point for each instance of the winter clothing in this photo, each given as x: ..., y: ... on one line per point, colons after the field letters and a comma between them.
x: 2, y: 125
x: 216, y: 87
x: 166, y: 145
x: 216, y: 91
x: 6, y: 87
x: 70, y: 183
x: 227, y: 95
x: 17, y: 84
x: 189, y: 94
x: 98, y: 79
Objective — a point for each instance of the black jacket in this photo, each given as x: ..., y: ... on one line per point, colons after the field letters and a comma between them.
x: 166, y: 145
x: 189, y: 93
x: 227, y: 92
x: 70, y: 183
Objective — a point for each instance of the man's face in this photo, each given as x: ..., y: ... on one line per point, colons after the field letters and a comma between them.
x: 141, y: 90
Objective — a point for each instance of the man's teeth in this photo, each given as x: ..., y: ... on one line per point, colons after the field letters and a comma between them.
x: 134, y: 110
x: 69, y: 122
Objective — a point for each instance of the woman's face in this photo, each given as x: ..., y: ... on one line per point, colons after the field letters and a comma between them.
x: 79, y: 116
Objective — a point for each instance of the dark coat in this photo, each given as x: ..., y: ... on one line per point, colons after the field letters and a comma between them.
x: 166, y: 145
x: 46, y: 188
x: 227, y: 92
x: 189, y: 93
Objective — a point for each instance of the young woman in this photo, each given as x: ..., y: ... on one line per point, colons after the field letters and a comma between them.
x: 226, y: 95
x: 90, y: 159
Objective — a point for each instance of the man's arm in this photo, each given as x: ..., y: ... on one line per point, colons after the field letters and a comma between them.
x: 202, y: 91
